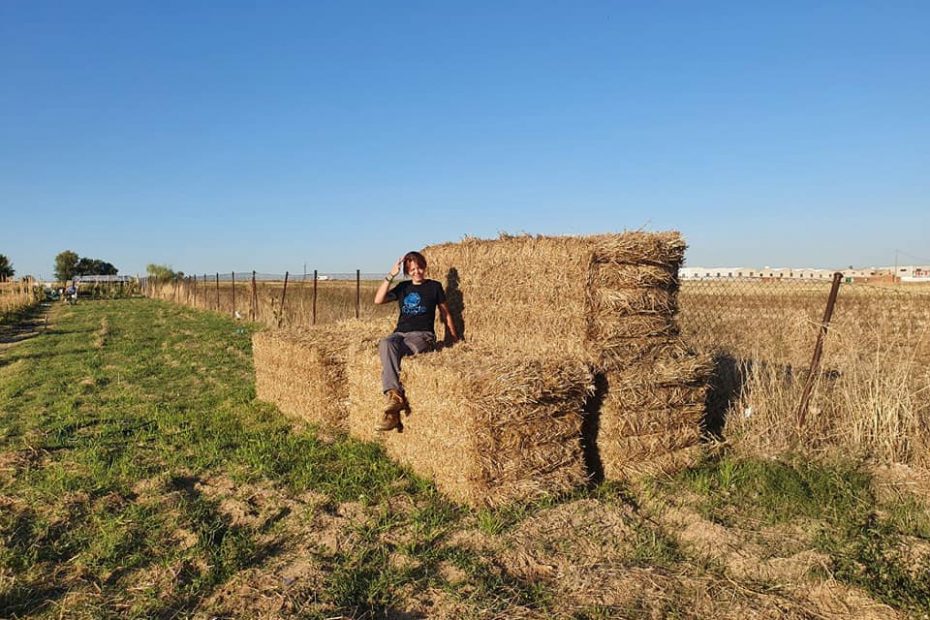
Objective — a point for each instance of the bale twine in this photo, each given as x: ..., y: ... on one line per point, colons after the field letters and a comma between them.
x: 487, y: 427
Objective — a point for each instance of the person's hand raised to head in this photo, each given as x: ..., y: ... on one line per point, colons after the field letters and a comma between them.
x: 395, y: 270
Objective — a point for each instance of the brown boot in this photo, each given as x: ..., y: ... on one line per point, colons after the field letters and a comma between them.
x: 396, y: 402
x: 390, y: 421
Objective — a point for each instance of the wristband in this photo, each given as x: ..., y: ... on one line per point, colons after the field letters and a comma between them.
x: 388, y: 279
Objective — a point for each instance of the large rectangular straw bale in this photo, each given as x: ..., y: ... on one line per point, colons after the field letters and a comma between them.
x: 303, y: 371
x: 604, y: 298
x: 487, y: 428
x: 651, y: 410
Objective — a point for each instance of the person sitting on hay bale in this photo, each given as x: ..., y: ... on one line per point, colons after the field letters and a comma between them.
x: 418, y: 299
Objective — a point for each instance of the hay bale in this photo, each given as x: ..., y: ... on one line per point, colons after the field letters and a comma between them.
x: 650, y: 410
x: 606, y: 299
x: 487, y: 428
x: 303, y: 371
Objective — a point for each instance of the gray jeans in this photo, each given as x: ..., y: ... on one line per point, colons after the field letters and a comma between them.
x: 394, y: 347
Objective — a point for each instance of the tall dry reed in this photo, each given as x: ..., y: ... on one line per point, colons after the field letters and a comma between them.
x: 16, y: 297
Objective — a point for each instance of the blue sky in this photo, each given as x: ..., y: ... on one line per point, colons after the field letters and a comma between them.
x: 215, y: 136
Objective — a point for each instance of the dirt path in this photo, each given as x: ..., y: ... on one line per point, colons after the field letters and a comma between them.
x: 33, y: 322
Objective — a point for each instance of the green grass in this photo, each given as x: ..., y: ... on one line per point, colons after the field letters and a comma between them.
x: 865, y: 538
x: 121, y: 392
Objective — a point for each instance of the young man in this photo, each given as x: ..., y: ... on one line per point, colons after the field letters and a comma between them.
x: 418, y: 299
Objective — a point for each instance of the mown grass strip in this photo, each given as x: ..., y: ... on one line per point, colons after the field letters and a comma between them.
x: 111, y: 423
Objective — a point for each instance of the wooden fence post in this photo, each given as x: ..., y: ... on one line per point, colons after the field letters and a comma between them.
x: 205, y: 287
x: 358, y: 292
x: 818, y: 351
x: 217, y: 291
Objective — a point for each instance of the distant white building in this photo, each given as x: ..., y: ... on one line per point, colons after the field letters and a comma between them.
x: 903, y: 273
x: 728, y: 273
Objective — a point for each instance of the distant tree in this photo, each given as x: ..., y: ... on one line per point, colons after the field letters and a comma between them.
x: 94, y: 267
x: 163, y: 273
x: 6, y: 268
x: 65, y: 265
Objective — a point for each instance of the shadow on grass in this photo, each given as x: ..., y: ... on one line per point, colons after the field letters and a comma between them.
x: 24, y: 325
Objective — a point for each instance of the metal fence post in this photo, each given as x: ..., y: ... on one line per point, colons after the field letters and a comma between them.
x: 253, y: 303
x: 217, y: 291
x: 313, y: 316
x: 358, y: 292
x: 818, y: 351
x: 283, y: 294
x: 233, y: 275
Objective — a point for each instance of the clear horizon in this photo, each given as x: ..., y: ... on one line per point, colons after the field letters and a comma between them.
x: 340, y: 136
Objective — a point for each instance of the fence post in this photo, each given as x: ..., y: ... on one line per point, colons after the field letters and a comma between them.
x: 358, y: 292
x: 818, y: 351
x: 233, y: 274
x: 253, y: 302
x: 205, y: 287
x: 313, y: 319
x: 217, y: 291
x: 283, y: 294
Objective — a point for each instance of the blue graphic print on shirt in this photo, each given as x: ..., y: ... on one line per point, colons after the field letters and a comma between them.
x: 412, y: 305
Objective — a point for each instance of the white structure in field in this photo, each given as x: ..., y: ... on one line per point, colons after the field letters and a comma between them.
x: 904, y: 273
x: 728, y: 273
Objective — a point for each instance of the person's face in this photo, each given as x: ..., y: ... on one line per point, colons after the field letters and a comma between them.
x: 416, y: 273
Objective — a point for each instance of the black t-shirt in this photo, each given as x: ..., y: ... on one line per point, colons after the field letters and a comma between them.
x: 417, y: 304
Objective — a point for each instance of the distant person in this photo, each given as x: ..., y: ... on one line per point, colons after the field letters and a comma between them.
x: 71, y: 294
x: 418, y: 299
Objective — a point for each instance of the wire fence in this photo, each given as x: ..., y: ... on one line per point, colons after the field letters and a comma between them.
x: 777, y: 319
x: 771, y: 319
x: 276, y: 300
x: 871, y: 381
x: 866, y: 385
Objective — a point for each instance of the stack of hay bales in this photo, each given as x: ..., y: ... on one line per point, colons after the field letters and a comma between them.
x: 499, y: 419
x: 609, y: 300
x: 487, y: 428
x: 303, y: 370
